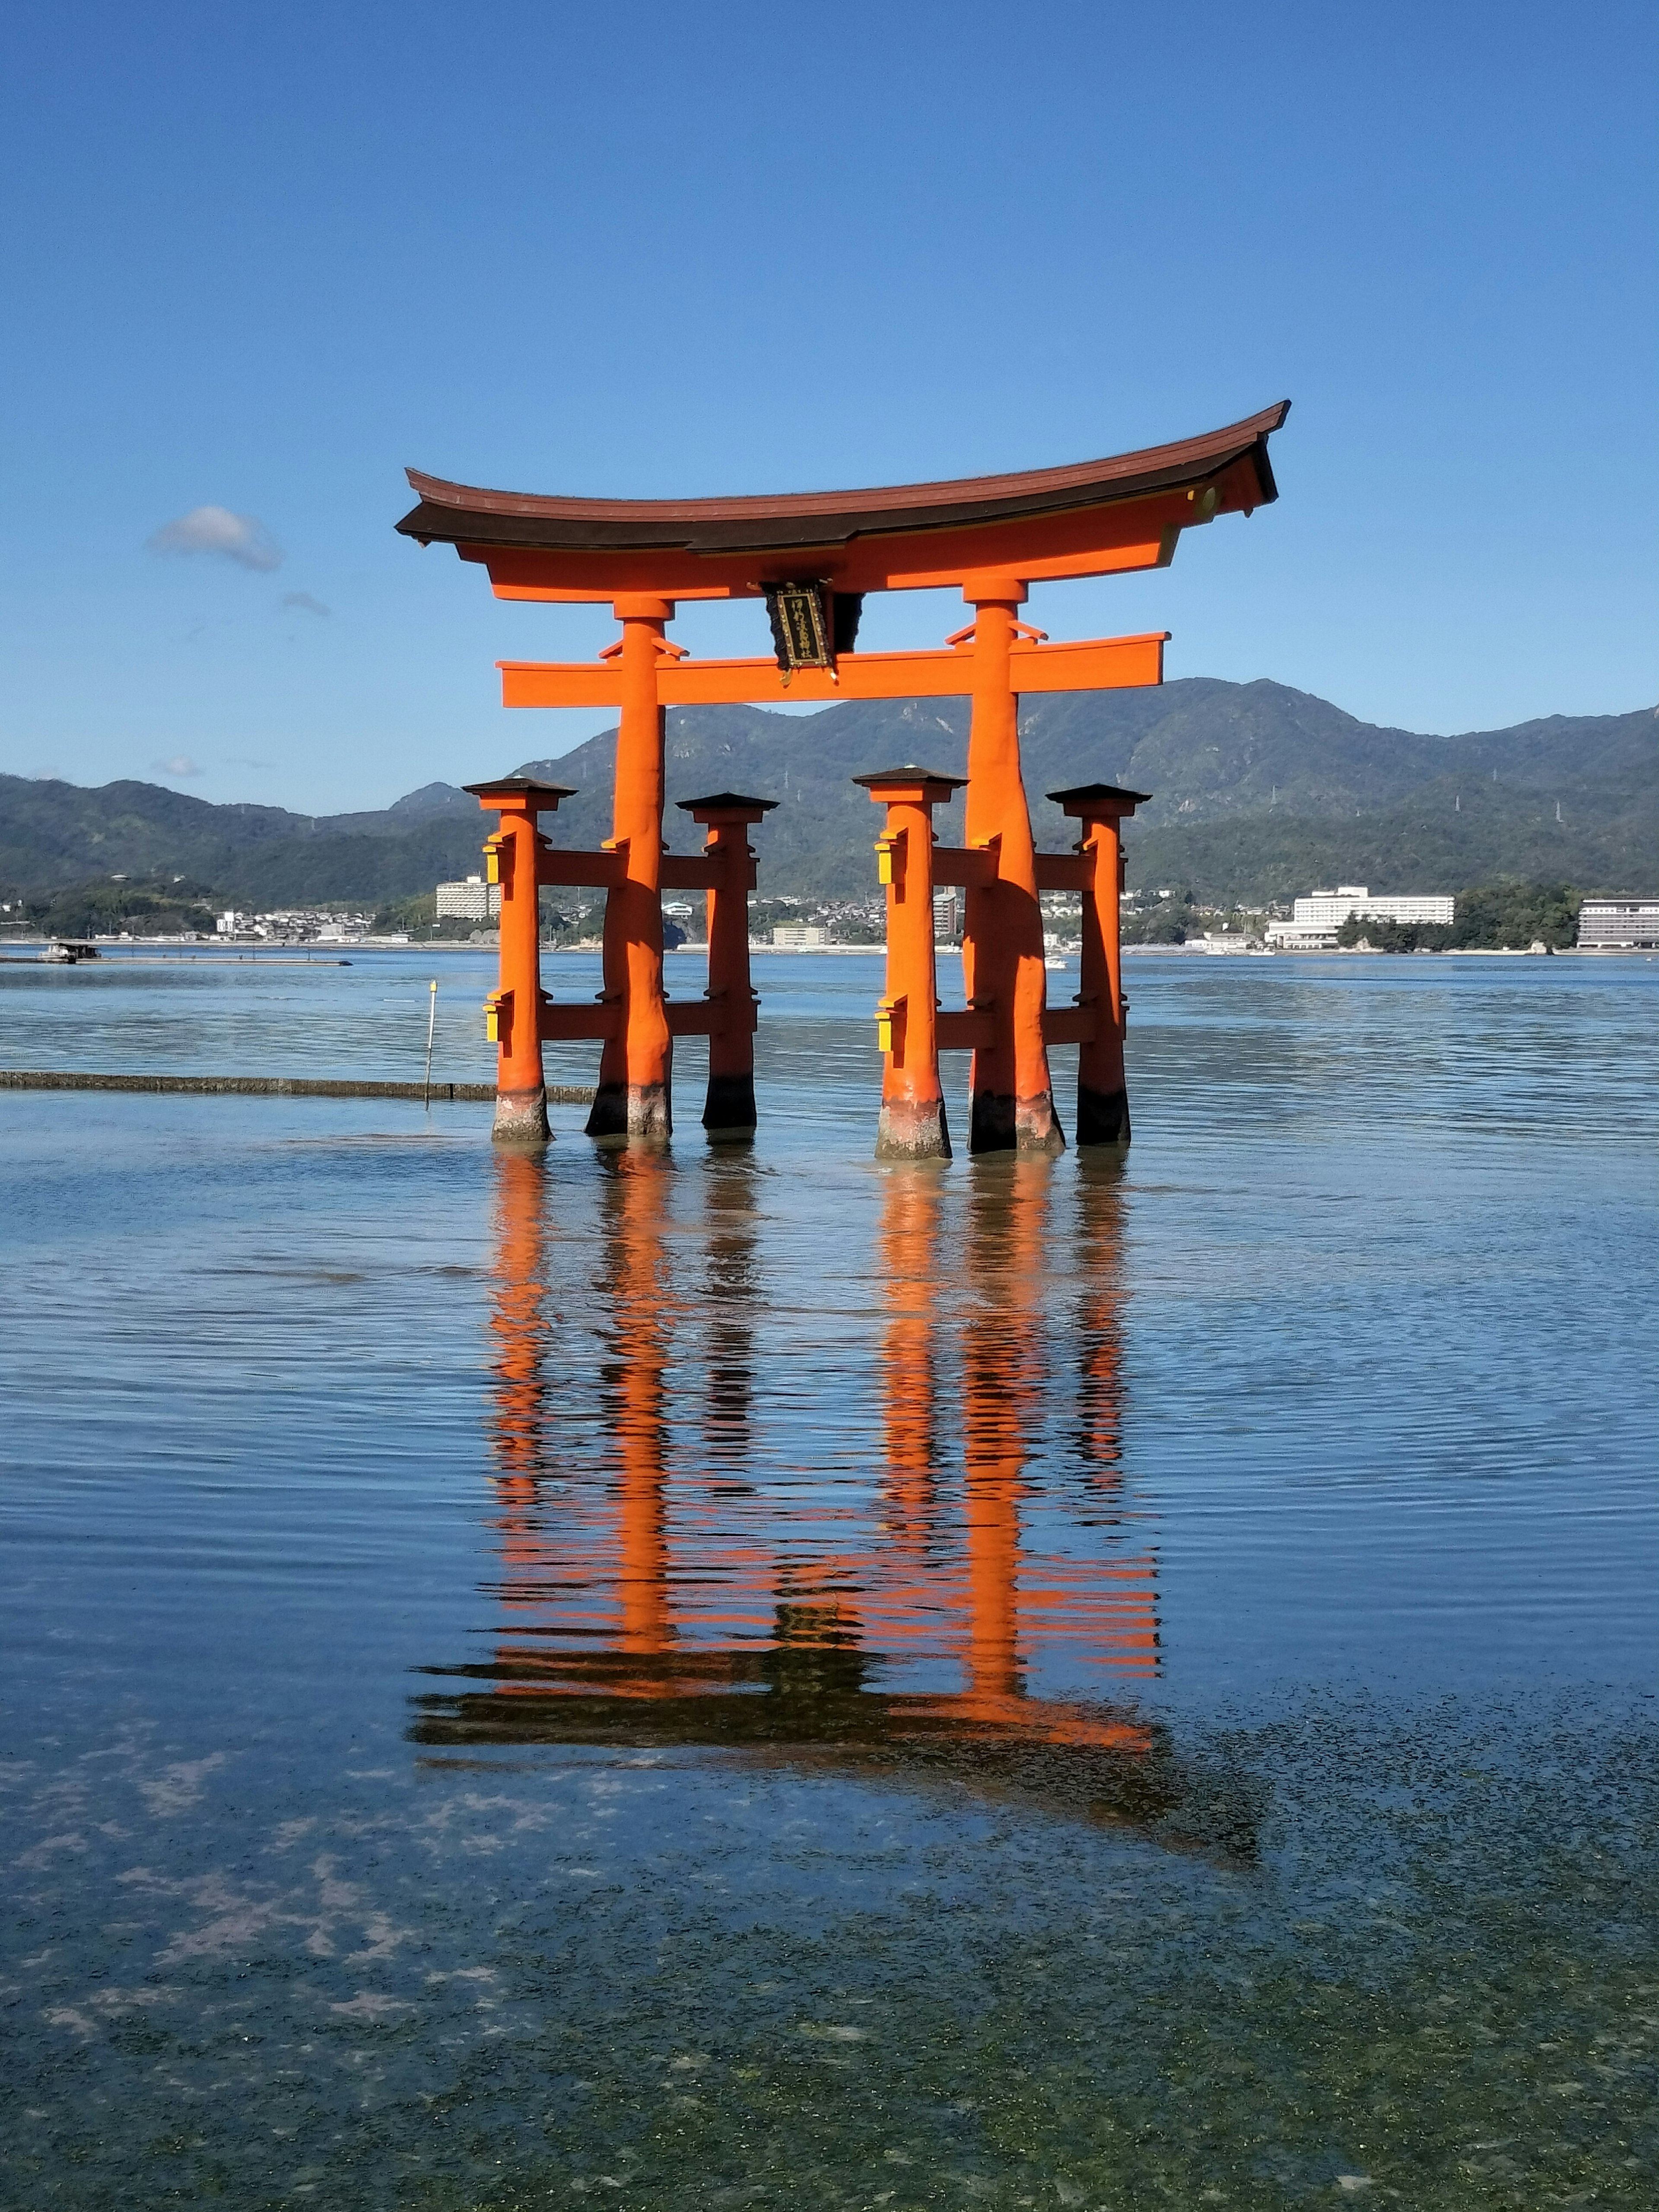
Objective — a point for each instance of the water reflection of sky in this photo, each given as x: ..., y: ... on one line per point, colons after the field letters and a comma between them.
x: 749, y: 1672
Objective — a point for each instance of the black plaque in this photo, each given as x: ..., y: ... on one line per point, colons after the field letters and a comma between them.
x: 801, y: 630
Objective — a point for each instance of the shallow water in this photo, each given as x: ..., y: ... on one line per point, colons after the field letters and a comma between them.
x: 744, y: 1677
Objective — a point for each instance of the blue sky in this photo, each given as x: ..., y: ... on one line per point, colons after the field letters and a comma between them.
x: 257, y: 260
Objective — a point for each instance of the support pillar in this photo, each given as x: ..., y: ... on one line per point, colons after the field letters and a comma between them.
x: 513, y: 1010
x: 913, y: 1124
x: 1103, y: 1098
x: 729, y: 1109
x: 1012, y: 1106
x: 633, y: 1098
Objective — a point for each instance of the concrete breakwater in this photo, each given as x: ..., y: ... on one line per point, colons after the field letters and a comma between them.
x: 274, y: 1086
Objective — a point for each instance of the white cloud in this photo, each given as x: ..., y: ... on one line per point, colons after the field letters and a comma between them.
x: 304, y: 600
x: 240, y: 538
x: 177, y: 764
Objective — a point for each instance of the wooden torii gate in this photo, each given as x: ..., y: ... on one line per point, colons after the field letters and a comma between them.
x: 813, y: 558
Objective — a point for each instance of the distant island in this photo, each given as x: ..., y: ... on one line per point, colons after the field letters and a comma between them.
x: 1260, y: 792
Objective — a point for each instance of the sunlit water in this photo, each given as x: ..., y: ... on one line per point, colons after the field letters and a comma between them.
x: 747, y: 1678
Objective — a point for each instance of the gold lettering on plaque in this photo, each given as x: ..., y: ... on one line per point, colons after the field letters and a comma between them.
x: 800, y: 628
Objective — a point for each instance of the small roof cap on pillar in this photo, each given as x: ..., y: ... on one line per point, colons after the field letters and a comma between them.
x: 1084, y: 800
x: 725, y: 802
x: 544, y: 797
x: 909, y: 774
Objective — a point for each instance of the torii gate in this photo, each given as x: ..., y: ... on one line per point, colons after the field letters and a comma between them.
x: 812, y: 558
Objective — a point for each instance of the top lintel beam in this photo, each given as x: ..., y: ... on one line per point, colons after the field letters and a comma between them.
x: 1088, y: 518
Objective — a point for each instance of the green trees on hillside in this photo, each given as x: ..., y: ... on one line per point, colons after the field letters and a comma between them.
x: 1509, y: 912
x: 1506, y: 914
x: 1165, y: 923
x: 418, y: 917
x: 105, y: 907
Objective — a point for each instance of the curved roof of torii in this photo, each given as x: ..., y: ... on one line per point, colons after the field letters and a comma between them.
x: 773, y: 523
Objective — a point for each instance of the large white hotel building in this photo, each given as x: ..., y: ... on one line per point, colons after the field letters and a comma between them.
x: 1317, y: 919
x: 1632, y: 922
x: 473, y: 900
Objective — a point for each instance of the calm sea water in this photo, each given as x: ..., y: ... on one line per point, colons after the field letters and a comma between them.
x: 744, y: 1677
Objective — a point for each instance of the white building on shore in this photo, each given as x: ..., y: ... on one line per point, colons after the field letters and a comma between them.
x: 473, y: 901
x: 1330, y: 909
x: 1315, y: 918
x: 1633, y: 923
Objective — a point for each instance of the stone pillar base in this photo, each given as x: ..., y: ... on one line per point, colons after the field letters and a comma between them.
x: 1103, y: 1116
x: 1037, y: 1131
x: 991, y: 1123
x: 521, y: 1117
x: 908, y: 1132
x: 729, y: 1111
x: 631, y: 1113
x: 1029, y: 1127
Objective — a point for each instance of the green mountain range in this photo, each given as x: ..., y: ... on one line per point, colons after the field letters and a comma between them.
x: 1259, y: 792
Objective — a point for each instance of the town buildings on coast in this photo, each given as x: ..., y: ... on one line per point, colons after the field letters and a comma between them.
x: 1313, y: 925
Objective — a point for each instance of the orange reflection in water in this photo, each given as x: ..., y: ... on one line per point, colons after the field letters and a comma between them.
x: 664, y: 1585
x: 636, y: 1292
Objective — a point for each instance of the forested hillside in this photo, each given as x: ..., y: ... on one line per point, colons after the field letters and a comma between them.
x: 1259, y: 792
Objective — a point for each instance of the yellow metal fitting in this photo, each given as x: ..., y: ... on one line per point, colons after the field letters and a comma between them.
x: 890, y: 1011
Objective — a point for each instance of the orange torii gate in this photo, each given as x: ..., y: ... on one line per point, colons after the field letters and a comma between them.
x: 813, y: 558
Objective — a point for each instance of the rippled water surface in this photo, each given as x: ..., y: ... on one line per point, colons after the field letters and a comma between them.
x: 744, y: 1677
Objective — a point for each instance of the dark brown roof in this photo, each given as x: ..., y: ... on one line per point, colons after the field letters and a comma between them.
x: 462, y: 515
x: 909, y: 774
x: 524, y: 787
x: 726, y: 798
x: 1080, y: 795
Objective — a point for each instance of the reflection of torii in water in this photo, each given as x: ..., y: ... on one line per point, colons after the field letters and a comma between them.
x: 643, y: 1617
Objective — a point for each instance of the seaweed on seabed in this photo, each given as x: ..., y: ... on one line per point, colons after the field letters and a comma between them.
x: 813, y: 1705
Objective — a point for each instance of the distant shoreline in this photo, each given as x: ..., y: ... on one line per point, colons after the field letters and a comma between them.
x: 337, y: 953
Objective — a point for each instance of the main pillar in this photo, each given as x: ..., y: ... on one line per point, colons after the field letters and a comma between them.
x: 633, y: 1098
x: 513, y: 1011
x: 1012, y: 1104
x: 913, y: 1124
x: 1103, y: 1098
x: 729, y: 1108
